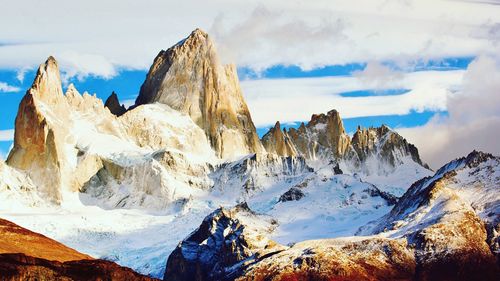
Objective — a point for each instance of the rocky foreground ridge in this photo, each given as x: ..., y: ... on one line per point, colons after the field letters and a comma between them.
x: 26, y: 255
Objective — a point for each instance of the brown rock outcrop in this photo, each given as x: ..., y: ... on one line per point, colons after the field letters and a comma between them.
x: 336, y: 259
x: 19, y: 267
x: 27, y: 255
x: 189, y: 78
x: 278, y: 142
x: 323, y: 136
x: 16, y: 239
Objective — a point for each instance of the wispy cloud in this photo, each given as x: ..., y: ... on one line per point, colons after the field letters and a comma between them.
x: 289, y: 100
x: 7, y: 135
x: 6, y: 88
x: 377, y: 76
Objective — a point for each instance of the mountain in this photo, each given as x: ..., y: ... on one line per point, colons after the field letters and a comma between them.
x: 443, y: 228
x: 26, y: 255
x: 189, y: 78
x: 324, y: 137
x: 128, y: 185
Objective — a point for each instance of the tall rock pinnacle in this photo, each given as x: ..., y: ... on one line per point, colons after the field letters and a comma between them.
x: 189, y: 78
x: 278, y: 142
x: 37, y: 137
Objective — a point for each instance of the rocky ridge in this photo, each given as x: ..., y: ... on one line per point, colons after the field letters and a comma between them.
x: 445, y: 227
x: 114, y: 106
x: 370, y: 151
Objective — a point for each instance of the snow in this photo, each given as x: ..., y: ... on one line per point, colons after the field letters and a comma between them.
x: 143, y: 238
x: 166, y: 179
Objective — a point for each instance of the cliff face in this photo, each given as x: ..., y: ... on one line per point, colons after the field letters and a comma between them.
x: 38, y: 137
x: 49, y: 130
x: 114, y: 106
x: 323, y: 136
x: 279, y: 142
x: 189, y: 78
x: 226, y: 239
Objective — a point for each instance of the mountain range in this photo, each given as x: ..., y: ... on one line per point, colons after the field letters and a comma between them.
x: 179, y: 186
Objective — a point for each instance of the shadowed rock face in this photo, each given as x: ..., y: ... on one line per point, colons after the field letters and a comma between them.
x: 26, y: 255
x: 17, y: 267
x: 189, y: 77
x: 114, y: 105
x: 225, y: 241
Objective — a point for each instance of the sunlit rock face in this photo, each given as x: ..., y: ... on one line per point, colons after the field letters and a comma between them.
x: 278, y: 142
x: 48, y: 134
x: 189, y: 77
x: 39, y: 134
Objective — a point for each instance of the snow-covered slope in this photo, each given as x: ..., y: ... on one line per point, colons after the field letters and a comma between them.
x: 445, y: 227
x: 466, y: 189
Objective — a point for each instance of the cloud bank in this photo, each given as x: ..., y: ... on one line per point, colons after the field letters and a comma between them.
x: 473, y: 120
x: 101, y: 37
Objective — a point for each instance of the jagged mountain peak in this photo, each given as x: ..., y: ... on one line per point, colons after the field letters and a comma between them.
x: 324, y: 137
x: 47, y: 84
x: 189, y: 78
x: 473, y: 159
x: 278, y: 141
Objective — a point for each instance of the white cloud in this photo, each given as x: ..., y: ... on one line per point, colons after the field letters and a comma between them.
x: 6, y: 88
x: 7, y: 135
x: 273, y: 37
x: 377, y: 76
x: 94, y: 41
x: 20, y: 74
x: 473, y: 121
x: 289, y: 100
